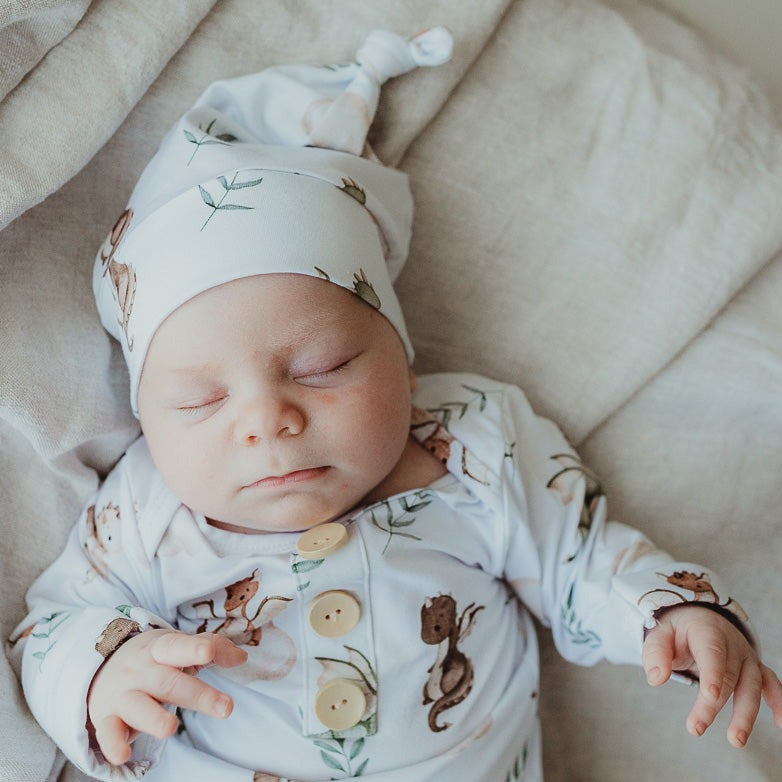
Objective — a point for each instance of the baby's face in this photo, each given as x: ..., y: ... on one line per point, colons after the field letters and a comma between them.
x: 276, y: 402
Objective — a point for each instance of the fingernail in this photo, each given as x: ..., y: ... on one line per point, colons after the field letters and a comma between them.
x: 700, y: 728
x: 222, y: 706
x: 742, y: 737
x: 653, y: 675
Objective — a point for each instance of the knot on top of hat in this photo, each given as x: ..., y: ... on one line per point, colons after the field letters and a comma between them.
x: 342, y: 123
x: 385, y: 55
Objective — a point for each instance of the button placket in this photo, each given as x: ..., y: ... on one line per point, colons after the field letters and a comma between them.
x: 339, y: 697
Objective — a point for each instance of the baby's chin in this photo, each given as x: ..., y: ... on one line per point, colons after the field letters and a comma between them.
x: 265, y: 529
x: 282, y: 523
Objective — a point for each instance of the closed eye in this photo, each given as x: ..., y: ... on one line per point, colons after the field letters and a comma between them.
x: 202, y: 407
x: 323, y: 377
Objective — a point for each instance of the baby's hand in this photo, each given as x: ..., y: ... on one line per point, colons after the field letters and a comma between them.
x: 155, y: 667
x: 701, y: 642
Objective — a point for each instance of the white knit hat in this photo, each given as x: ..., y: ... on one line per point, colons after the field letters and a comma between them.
x: 265, y: 174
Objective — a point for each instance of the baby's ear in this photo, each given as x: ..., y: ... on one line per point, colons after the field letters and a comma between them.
x: 413, y: 381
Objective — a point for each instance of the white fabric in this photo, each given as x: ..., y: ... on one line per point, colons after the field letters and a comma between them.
x: 236, y: 189
x: 597, y: 220
x: 517, y: 510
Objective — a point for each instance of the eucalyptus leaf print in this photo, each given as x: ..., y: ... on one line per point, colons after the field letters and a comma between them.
x: 516, y: 773
x: 340, y: 754
x: 301, y: 565
x: 394, y: 517
x: 337, y: 66
x: 228, y: 187
x: 574, y: 626
x: 206, y: 138
x: 447, y: 410
x: 44, y: 630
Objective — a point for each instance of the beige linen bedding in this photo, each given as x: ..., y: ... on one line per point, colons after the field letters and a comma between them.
x: 599, y: 199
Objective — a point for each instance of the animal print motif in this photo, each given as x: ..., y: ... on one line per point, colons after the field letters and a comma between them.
x: 103, y: 530
x: 249, y: 626
x: 451, y: 675
x: 114, y: 238
x: 690, y: 587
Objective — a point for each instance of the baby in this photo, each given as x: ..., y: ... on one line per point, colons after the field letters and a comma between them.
x: 314, y: 565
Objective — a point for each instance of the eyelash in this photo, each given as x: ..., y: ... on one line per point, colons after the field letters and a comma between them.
x: 201, y: 407
x: 327, y: 372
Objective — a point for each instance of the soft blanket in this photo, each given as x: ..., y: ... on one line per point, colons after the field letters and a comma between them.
x: 598, y: 221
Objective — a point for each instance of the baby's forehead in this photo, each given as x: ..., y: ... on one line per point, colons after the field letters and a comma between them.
x: 275, y: 311
x: 299, y: 297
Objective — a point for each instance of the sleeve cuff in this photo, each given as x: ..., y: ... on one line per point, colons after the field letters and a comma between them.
x: 680, y: 583
x: 57, y: 676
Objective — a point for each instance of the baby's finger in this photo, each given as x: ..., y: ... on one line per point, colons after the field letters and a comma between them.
x: 772, y: 693
x: 180, y: 650
x: 226, y: 653
x: 710, y: 653
x: 172, y: 685
x: 141, y: 711
x: 746, y: 703
x: 657, y: 654
x: 113, y: 737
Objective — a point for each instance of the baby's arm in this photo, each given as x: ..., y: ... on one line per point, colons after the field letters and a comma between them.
x: 704, y: 643
x: 83, y: 609
x: 603, y: 587
x: 147, y: 670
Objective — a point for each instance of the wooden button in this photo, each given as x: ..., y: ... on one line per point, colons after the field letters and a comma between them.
x: 340, y: 704
x: 322, y: 540
x: 334, y: 613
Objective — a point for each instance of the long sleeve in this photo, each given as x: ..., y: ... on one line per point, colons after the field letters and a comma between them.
x: 83, y: 606
x: 596, y: 583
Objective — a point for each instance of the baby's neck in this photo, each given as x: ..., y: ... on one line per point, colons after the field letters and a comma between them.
x: 415, y: 469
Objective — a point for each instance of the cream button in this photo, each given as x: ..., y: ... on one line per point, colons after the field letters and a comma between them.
x: 340, y: 704
x: 334, y: 613
x: 322, y: 540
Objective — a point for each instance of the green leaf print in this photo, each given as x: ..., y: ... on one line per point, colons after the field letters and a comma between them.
x: 238, y: 185
x: 332, y: 762
x: 447, y: 410
x: 335, y: 755
x: 305, y: 565
x: 206, y: 196
x: 394, y: 520
x: 228, y: 187
x: 337, y: 66
x: 516, y: 774
x: 367, y: 676
x: 52, y: 622
x: 207, y: 138
x: 573, y: 625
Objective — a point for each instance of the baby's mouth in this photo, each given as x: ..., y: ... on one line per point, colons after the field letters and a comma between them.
x: 289, y: 479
